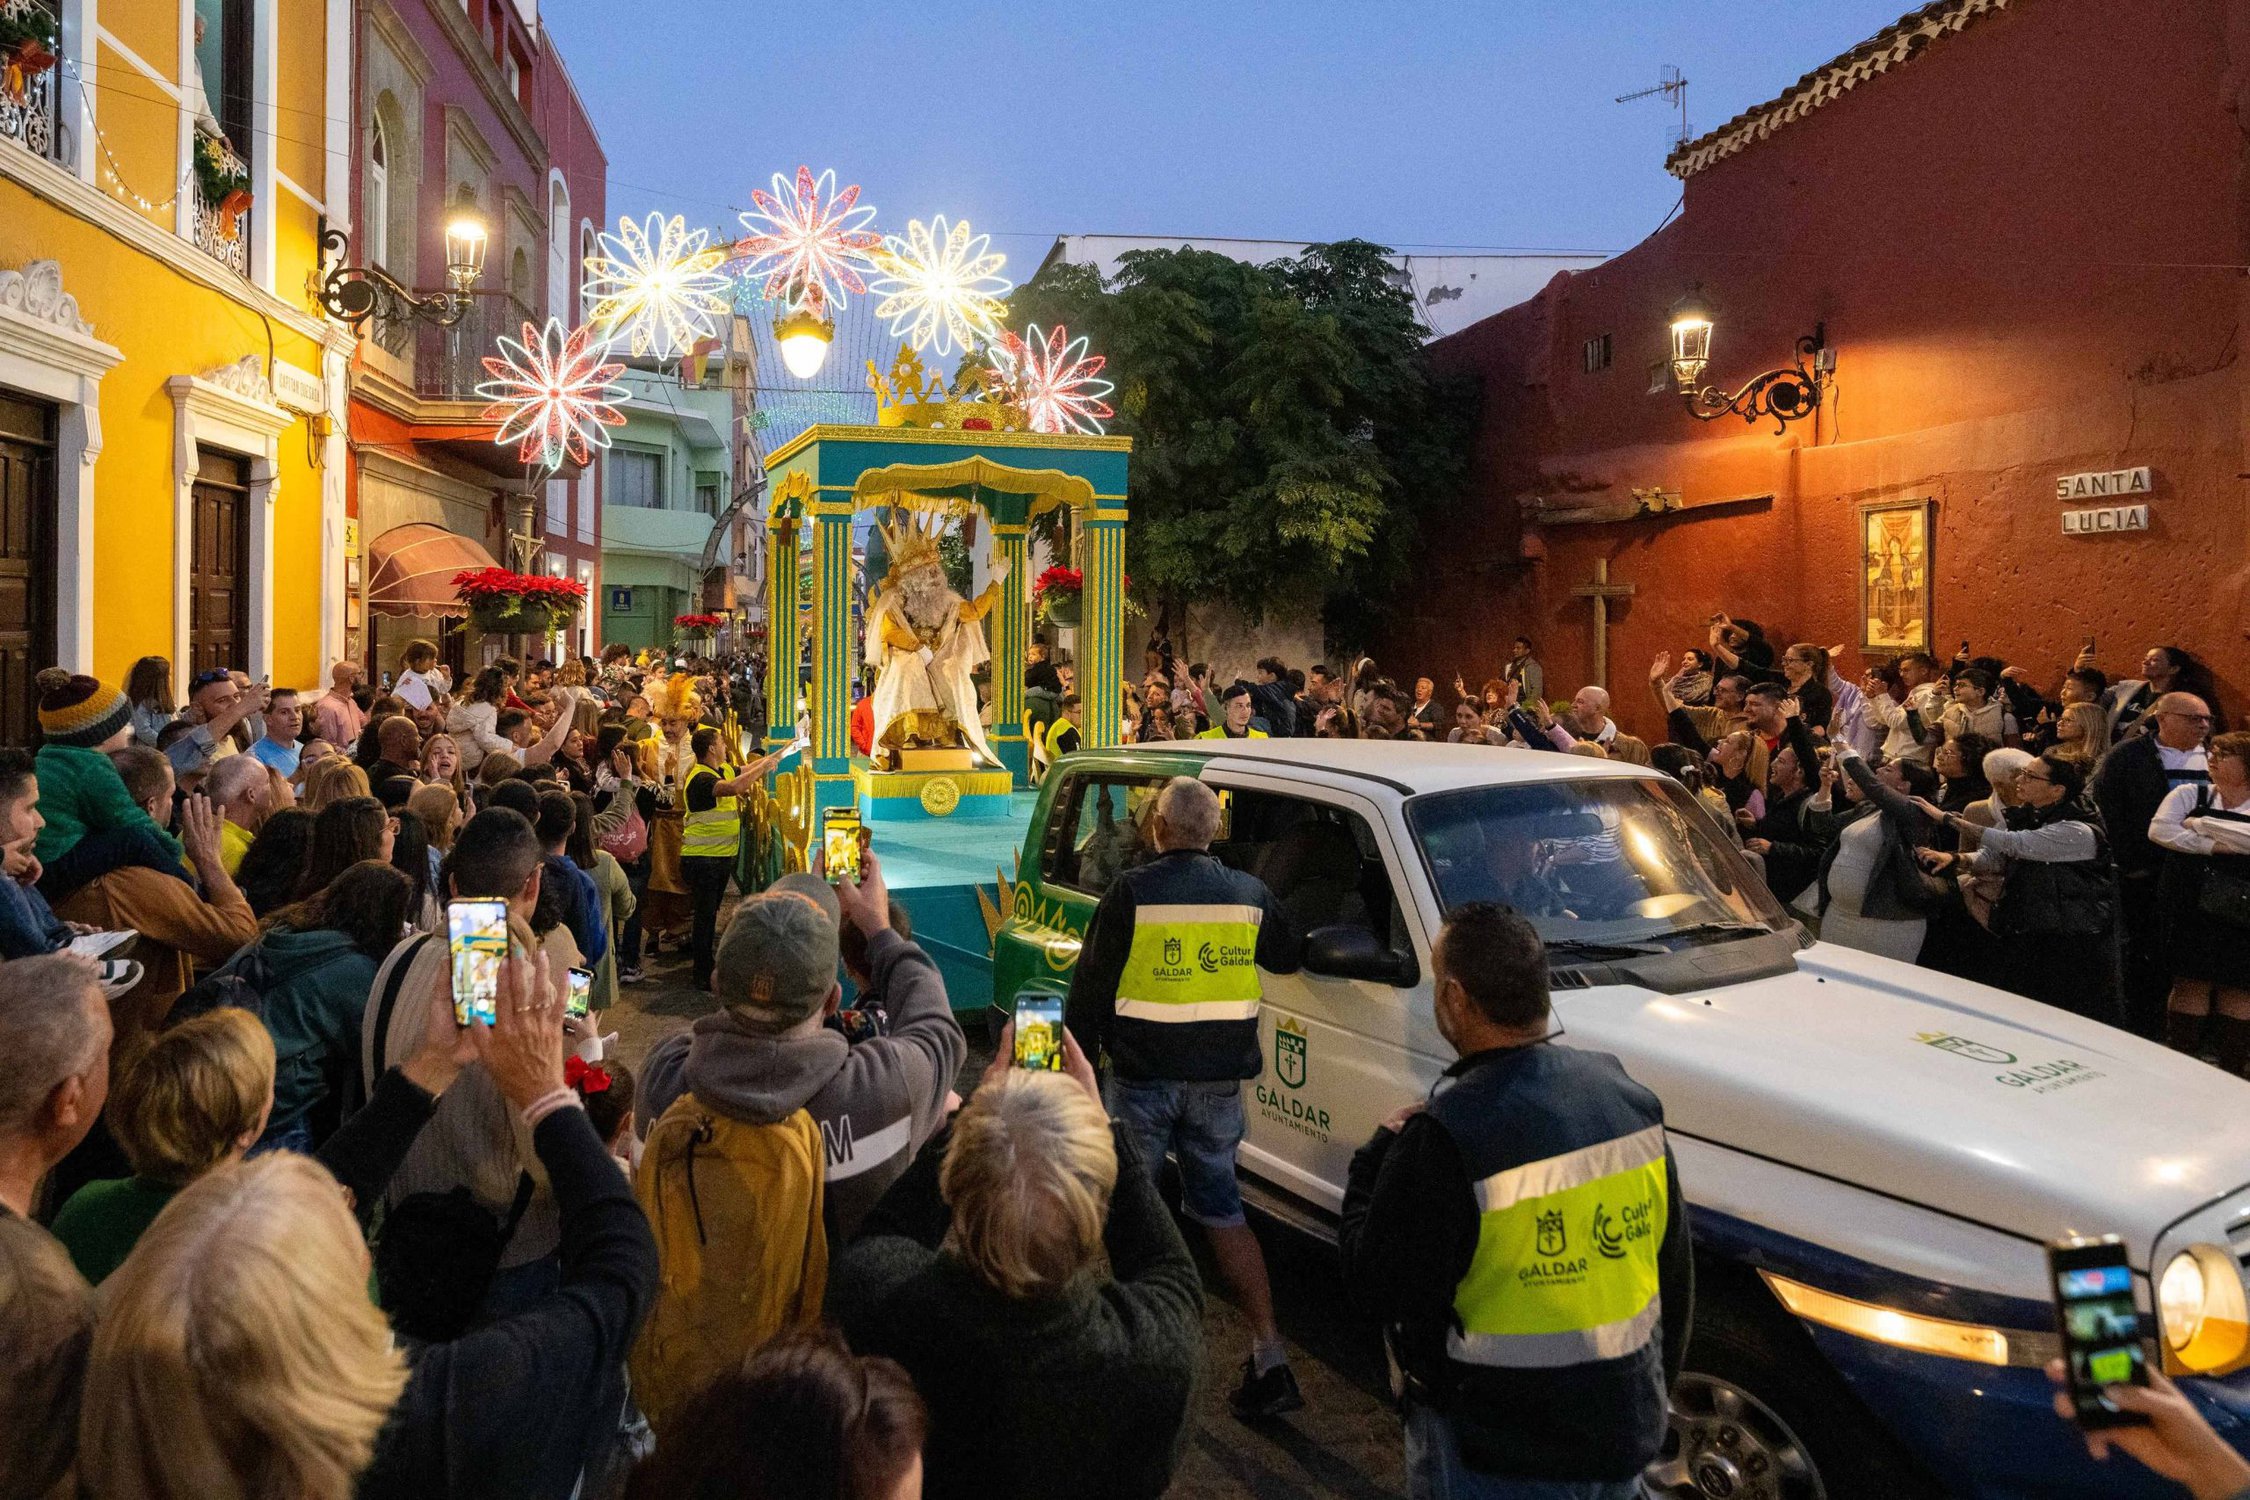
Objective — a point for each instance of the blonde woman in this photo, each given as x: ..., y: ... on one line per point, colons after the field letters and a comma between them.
x: 2081, y: 734
x: 1039, y: 1241
x: 333, y: 780
x: 440, y: 811
x: 441, y: 762
x: 239, y: 1355
x: 198, y: 1097
x: 48, y: 1311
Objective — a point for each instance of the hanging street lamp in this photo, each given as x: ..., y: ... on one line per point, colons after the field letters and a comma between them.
x: 356, y: 294
x: 1786, y: 395
x: 803, y: 334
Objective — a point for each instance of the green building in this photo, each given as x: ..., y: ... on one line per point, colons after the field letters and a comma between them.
x: 668, y: 475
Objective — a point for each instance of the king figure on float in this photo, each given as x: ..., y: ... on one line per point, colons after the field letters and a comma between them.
x: 925, y: 642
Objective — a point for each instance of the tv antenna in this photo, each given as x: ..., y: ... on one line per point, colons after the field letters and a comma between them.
x: 1674, y: 89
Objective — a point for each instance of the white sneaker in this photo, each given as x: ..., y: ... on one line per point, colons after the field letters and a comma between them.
x: 117, y: 975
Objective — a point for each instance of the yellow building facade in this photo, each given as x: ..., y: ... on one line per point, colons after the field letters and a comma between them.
x: 171, y: 397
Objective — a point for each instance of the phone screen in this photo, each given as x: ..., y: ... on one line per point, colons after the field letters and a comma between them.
x: 839, y: 830
x: 478, y: 933
x: 1039, y: 1033
x: 581, y: 1000
x: 2101, y: 1327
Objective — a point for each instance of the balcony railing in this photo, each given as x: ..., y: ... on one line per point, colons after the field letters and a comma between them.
x: 32, y: 119
x: 225, y: 237
x: 449, y: 362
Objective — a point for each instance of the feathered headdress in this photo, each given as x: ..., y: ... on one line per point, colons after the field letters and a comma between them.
x: 679, y: 699
x: 909, y: 542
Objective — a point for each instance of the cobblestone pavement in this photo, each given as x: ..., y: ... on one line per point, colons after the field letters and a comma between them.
x: 1344, y: 1444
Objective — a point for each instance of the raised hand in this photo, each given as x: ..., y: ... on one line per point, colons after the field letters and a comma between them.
x: 1661, y: 668
x: 1791, y: 708
x: 523, y: 1048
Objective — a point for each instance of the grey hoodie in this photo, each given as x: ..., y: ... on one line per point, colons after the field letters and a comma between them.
x: 876, y: 1103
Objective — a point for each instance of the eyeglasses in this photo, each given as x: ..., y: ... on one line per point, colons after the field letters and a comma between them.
x: 2173, y: 713
x: 2043, y: 780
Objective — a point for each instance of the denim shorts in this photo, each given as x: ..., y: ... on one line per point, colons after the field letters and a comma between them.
x: 1201, y: 1124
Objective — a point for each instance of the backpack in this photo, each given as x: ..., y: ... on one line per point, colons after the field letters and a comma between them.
x: 242, y: 984
x: 736, y: 1213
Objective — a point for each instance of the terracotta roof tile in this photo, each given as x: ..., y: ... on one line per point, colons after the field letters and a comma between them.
x: 1903, y: 39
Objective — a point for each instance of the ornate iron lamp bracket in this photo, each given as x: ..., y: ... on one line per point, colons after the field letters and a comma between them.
x: 356, y: 294
x: 1786, y: 395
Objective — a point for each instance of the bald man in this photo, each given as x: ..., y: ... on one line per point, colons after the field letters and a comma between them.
x: 337, y: 717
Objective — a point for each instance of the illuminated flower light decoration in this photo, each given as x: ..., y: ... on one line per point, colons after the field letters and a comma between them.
x: 553, y: 394
x: 1054, y: 380
x: 941, y: 286
x: 808, y: 240
x: 658, y: 286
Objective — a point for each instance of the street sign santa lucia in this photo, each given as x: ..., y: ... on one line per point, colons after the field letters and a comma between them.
x: 2109, y: 484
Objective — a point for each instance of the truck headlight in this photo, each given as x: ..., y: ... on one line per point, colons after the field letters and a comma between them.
x: 2200, y: 1306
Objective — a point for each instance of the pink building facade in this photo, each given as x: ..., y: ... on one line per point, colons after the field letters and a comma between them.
x: 462, y: 101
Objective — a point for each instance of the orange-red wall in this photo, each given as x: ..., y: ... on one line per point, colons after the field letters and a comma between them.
x: 2027, y: 245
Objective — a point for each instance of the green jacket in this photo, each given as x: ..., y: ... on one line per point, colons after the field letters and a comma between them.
x: 104, y: 1220
x: 313, y: 1008
x: 80, y: 792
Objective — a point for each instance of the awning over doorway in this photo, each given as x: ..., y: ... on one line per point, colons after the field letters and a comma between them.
x: 410, y: 571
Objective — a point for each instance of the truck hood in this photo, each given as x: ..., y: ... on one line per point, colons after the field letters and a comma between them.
x: 1933, y: 1090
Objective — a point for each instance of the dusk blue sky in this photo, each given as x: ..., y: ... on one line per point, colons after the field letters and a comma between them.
x: 1485, y: 126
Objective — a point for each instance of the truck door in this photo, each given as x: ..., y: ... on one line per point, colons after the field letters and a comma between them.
x: 1339, y: 1053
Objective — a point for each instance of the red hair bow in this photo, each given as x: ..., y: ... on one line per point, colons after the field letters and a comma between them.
x: 585, y: 1077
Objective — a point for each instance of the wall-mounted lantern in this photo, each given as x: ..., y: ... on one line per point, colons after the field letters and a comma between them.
x: 1786, y: 395
x: 358, y: 293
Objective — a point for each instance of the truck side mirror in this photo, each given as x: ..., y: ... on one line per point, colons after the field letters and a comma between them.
x: 1348, y: 952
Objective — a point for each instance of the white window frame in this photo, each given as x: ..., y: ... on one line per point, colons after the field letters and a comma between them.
x: 47, y: 350
x: 377, y: 238
x: 230, y: 408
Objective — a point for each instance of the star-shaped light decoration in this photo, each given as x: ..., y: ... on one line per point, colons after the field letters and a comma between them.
x: 657, y: 286
x: 807, y: 235
x: 941, y: 286
x: 552, y: 394
x: 1054, y: 380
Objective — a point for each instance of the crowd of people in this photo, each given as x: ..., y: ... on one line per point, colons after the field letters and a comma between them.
x: 275, y: 1219
x: 2043, y: 828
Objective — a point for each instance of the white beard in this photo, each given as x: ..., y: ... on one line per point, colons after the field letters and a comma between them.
x: 926, y: 598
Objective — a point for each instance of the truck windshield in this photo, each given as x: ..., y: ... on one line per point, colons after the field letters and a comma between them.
x: 1596, y: 862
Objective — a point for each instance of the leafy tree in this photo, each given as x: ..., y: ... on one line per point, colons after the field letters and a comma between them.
x: 1289, y: 436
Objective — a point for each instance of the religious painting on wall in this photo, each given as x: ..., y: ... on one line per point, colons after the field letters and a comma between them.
x: 1894, y: 576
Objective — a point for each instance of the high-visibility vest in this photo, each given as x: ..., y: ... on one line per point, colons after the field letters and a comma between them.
x: 1565, y: 1270
x: 1192, y: 963
x: 1219, y: 732
x: 716, y: 834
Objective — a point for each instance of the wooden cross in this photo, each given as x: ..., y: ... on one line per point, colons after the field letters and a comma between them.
x: 1601, y: 591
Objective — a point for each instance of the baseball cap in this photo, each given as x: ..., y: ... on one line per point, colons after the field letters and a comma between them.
x: 814, y: 889
x: 776, y: 963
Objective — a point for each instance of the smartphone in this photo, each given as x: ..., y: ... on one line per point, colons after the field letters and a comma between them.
x: 839, y: 841
x: 2101, y: 1327
x: 1039, y: 1033
x: 580, y: 1002
x: 478, y: 933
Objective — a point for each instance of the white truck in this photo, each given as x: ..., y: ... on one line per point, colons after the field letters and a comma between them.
x: 1874, y: 1155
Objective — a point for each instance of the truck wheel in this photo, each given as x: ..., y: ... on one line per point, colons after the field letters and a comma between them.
x: 1756, y: 1415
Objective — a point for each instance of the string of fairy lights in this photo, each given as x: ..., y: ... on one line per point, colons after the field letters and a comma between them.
x: 657, y: 289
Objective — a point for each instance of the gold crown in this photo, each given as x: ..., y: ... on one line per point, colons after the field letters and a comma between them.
x: 910, y: 542
x: 910, y: 396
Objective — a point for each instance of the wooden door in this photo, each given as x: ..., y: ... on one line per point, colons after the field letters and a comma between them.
x: 219, y: 567
x: 27, y: 561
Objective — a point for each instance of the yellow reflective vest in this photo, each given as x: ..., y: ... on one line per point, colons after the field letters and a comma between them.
x: 716, y: 834
x: 1195, y: 962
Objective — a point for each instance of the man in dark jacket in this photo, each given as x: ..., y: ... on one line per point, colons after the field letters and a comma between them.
x: 2128, y: 784
x: 1272, y: 699
x: 1522, y: 1240
x: 1791, y: 849
x: 771, y: 1052
x: 1168, y: 984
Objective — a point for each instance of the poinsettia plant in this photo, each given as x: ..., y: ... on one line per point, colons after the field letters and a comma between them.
x: 1056, y: 593
x: 696, y: 624
x: 498, y: 586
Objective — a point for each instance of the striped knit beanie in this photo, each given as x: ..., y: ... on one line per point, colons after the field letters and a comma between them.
x: 76, y: 710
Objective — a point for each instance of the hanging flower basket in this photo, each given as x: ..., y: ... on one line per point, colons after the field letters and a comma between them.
x: 223, y: 179
x: 28, y: 39
x: 1057, y: 594
x: 505, y: 603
